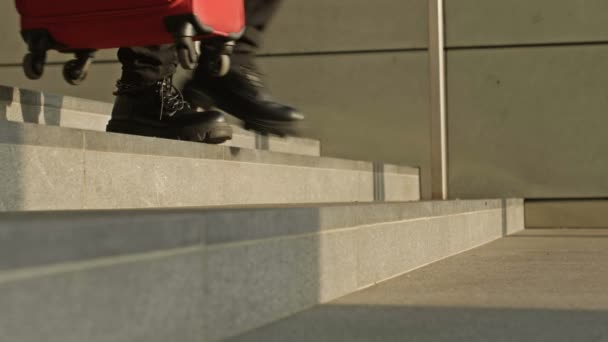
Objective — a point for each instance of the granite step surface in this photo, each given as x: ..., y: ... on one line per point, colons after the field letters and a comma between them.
x: 545, y: 285
x: 207, y: 274
x: 55, y: 168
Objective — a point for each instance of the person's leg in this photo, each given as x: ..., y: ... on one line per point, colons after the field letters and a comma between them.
x: 148, y: 104
x: 242, y: 91
x: 258, y: 14
x: 147, y: 64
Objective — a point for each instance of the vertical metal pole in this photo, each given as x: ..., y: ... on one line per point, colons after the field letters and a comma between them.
x: 439, y: 159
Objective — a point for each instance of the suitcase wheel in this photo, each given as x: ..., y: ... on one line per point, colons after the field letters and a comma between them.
x: 187, y: 57
x: 216, y: 57
x: 219, y: 66
x: 33, y: 65
x: 73, y: 72
x: 77, y: 70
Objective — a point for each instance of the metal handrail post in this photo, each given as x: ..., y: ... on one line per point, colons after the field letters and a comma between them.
x: 437, y: 96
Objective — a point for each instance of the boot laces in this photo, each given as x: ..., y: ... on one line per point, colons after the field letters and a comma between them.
x: 171, y: 99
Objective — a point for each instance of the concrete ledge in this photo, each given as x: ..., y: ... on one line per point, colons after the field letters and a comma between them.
x: 241, y: 268
x: 31, y: 106
x: 30, y: 239
x: 154, y: 297
x: 53, y: 168
x: 567, y: 214
x: 537, y: 285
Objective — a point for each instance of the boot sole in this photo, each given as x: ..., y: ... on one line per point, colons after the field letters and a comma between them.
x: 280, y: 129
x: 264, y: 127
x: 195, y: 133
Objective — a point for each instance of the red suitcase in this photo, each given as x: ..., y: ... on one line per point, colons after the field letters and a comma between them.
x: 83, y: 26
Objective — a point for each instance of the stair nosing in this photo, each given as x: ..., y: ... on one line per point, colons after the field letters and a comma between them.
x: 214, y: 226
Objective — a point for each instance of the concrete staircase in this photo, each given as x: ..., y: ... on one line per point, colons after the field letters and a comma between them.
x: 107, y: 237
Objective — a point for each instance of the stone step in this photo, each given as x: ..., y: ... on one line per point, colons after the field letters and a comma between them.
x: 54, y: 168
x: 30, y: 106
x: 208, y: 274
x: 536, y: 285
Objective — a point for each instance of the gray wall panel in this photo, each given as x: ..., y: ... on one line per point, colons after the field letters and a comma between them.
x: 499, y: 22
x: 338, y: 25
x: 363, y: 106
x: 528, y: 122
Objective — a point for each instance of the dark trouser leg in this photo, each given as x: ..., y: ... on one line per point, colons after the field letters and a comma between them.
x: 258, y: 14
x: 242, y: 92
x: 147, y: 64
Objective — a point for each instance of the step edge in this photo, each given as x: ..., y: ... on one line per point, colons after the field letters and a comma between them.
x: 116, y: 232
x: 12, y: 133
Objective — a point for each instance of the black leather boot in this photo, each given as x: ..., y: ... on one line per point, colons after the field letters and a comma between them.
x: 243, y: 94
x: 159, y: 110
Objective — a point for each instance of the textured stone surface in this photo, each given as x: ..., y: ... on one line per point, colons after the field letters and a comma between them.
x: 515, y: 215
x: 249, y: 183
x: 394, y: 248
x: 303, y: 270
x: 96, y: 170
x: 34, y: 239
x: 27, y: 102
x: 259, y: 157
x: 33, y: 177
x: 337, y: 264
x: 399, y: 187
x: 28, y: 134
x: 256, y: 283
x: 390, y: 249
x: 149, y: 298
x: 538, y: 285
x: 237, y: 225
x: 459, y: 206
x: 138, y: 181
x: 256, y: 265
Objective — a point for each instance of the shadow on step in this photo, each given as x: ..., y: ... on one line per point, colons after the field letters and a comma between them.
x: 36, y: 105
x: 30, y: 107
x: 208, y: 272
x: 337, y: 323
x: 213, y: 273
x: 6, y: 99
x: 11, y: 159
